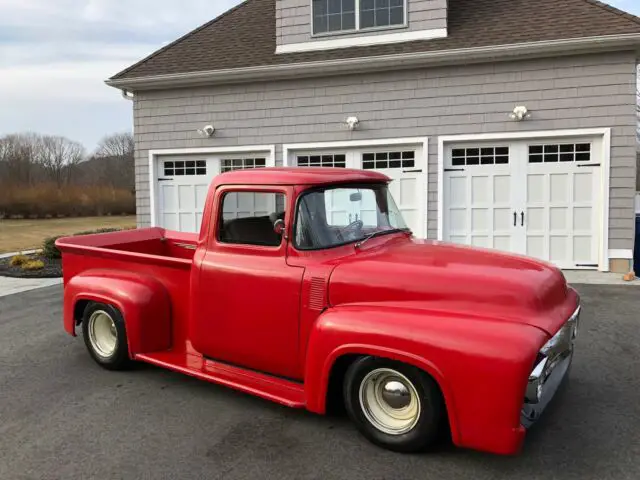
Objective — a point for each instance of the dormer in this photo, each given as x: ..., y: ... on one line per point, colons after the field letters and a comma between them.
x: 312, y: 25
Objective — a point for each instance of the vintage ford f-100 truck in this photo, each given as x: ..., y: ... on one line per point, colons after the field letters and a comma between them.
x: 305, y: 286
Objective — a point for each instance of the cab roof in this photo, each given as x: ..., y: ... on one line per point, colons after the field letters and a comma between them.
x: 298, y: 176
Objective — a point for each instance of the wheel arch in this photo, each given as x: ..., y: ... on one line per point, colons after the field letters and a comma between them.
x: 342, y: 356
x: 142, y: 301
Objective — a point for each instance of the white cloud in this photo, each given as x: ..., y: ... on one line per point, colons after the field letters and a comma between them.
x: 55, y: 56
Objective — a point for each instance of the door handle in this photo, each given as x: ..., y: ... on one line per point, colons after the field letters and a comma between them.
x: 522, y: 219
x: 515, y: 219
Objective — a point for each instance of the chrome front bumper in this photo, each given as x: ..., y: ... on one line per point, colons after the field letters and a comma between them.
x: 552, y: 367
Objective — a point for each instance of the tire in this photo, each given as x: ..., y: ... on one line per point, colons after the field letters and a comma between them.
x: 105, y: 336
x: 411, y: 422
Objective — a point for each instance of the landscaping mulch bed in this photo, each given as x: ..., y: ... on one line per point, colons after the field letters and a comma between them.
x: 52, y: 268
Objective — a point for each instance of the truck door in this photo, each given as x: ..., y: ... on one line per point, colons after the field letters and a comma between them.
x: 247, y: 305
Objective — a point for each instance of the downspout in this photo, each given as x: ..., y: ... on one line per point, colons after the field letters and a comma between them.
x: 127, y: 95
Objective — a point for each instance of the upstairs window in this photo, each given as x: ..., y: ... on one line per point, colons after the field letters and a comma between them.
x: 334, y: 15
x: 381, y: 13
x: 330, y: 16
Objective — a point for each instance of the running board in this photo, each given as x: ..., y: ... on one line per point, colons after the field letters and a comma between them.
x: 261, y: 385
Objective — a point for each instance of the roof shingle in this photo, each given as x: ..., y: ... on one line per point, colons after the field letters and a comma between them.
x: 245, y: 36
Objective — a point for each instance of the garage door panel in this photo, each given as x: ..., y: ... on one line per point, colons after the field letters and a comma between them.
x: 478, y: 196
x: 540, y: 199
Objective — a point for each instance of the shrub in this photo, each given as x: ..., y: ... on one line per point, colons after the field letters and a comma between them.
x: 32, y: 265
x: 18, y: 260
x: 49, y: 249
x: 47, y: 200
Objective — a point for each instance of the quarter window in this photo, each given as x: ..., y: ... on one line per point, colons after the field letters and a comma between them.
x: 461, y: 157
x: 248, y: 218
x: 562, y: 152
x: 184, y: 167
x: 231, y: 164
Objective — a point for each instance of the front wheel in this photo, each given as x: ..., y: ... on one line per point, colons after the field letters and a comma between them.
x: 105, y: 336
x: 394, y: 405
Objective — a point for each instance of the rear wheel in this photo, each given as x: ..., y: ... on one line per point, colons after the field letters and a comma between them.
x: 105, y: 336
x: 394, y: 405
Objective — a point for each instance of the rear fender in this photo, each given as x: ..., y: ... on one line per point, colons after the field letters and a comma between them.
x: 480, y: 365
x: 143, y: 301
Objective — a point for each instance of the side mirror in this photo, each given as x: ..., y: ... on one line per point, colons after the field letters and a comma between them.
x: 355, y: 197
x: 278, y: 227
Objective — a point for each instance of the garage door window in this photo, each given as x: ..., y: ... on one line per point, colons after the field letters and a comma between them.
x: 461, y: 157
x: 385, y: 160
x: 248, y: 218
x: 231, y: 164
x: 329, y: 161
x: 563, y: 152
x: 183, y: 168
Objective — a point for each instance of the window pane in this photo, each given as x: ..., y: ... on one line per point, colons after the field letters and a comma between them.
x: 396, y: 3
x: 397, y: 16
x: 248, y: 218
x: 367, y: 4
x: 335, y: 6
x: 335, y: 23
x: 319, y: 8
x: 348, y: 5
x: 319, y: 24
x: 348, y: 21
x: 382, y: 4
x: 382, y: 17
x: 367, y: 19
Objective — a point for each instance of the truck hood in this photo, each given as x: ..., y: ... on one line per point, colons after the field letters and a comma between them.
x: 455, y: 279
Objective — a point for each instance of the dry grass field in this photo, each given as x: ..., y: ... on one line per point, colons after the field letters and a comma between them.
x: 16, y: 235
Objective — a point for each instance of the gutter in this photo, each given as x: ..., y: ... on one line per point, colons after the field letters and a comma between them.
x: 407, y: 60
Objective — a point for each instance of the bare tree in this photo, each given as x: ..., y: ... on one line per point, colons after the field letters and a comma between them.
x: 18, y: 153
x: 59, y: 157
x: 113, y: 162
x: 118, y: 145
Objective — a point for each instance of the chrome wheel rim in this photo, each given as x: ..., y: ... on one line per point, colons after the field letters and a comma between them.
x: 389, y: 401
x: 103, y: 335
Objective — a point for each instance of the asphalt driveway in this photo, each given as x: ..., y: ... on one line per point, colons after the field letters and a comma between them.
x: 62, y: 417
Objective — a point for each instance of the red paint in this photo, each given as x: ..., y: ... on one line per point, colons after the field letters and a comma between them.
x: 272, y: 321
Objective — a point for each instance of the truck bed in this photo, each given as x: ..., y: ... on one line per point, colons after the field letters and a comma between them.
x: 145, y: 245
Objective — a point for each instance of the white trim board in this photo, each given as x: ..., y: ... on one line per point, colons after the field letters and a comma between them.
x: 289, y: 149
x: 153, y: 171
x: 604, y: 133
x: 345, y: 42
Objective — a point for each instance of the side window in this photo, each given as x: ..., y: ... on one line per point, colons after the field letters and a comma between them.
x: 248, y: 218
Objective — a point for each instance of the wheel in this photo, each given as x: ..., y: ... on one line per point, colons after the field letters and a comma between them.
x: 105, y: 336
x: 394, y: 405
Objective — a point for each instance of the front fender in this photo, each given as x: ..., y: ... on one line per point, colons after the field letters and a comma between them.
x: 142, y: 300
x: 481, y: 365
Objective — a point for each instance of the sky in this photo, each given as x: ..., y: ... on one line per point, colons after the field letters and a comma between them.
x: 56, y: 54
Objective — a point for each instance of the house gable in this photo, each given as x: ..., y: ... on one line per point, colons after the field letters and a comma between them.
x: 246, y: 37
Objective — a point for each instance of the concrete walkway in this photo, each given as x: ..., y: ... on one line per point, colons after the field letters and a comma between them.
x: 589, y: 277
x: 9, y: 286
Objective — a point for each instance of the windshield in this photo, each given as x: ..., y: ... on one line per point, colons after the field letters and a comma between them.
x: 333, y: 216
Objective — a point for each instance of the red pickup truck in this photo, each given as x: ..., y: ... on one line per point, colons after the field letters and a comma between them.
x: 304, y: 287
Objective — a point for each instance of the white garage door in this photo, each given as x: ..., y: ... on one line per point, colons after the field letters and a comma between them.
x: 183, y: 183
x: 538, y: 198
x: 403, y: 164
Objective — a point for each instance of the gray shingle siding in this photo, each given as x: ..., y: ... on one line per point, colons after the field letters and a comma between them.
x: 563, y: 93
x: 293, y: 20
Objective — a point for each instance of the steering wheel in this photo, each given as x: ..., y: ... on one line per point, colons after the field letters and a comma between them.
x: 353, y: 227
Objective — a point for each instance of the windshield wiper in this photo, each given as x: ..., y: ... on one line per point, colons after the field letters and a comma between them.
x: 380, y: 232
